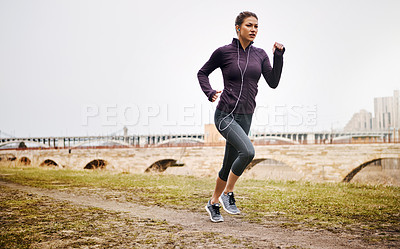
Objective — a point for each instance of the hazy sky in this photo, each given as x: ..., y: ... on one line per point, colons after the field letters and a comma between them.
x: 91, y: 67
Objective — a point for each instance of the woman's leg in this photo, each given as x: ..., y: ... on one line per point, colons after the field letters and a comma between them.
x: 239, y: 150
x: 239, y: 139
x: 229, y: 157
x: 230, y: 184
x: 219, y: 188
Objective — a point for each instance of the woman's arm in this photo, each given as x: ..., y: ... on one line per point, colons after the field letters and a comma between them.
x: 273, y: 74
x: 213, y: 63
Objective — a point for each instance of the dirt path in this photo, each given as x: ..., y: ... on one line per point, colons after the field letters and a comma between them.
x: 267, y: 235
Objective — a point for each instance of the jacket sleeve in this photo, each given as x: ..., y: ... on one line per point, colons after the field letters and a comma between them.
x: 273, y: 74
x: 213, y: 63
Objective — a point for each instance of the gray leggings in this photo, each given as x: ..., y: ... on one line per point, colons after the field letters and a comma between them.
x: 239, y: 151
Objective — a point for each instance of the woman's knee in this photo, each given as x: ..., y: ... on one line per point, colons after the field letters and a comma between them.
x: 251, y: 153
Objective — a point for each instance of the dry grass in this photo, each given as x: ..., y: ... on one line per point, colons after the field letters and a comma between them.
x: 372, y: 211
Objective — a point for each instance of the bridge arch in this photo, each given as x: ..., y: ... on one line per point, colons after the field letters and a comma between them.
x: 96, y: 164
x: 100, y: 142
x: 8, y: 157
x: 269, y: 139
x: 25, y: 161
x: 274, y: 169
x: 23, y: 144
x: 356, y: 170
x: 182, y: 140
x: 162, y: 165
x: 50, y: 163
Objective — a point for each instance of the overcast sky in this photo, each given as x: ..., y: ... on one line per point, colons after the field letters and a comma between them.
x: 93, y: 67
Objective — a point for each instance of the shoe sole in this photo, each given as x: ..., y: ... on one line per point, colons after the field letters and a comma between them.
x: 226, y: 210
x: 208, y: 211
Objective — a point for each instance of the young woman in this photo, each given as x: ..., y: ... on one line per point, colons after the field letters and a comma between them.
x: 242, y: 65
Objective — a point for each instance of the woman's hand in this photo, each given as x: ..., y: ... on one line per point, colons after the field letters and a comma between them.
x: 215, y: 97
x: 277, y: 46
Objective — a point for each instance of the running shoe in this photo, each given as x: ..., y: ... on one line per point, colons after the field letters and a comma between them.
x: 213, y: 211
x: 228, y: 203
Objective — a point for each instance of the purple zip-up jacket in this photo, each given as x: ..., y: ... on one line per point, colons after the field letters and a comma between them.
x: 226, y: 58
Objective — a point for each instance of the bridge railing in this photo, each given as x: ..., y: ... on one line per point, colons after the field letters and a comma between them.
x: 193, y: 141
x: 185, y: 145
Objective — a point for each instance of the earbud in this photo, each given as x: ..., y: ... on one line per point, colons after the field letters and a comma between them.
x: 238, y: 29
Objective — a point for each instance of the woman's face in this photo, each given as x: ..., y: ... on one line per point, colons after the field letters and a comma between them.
x: 248, y: 29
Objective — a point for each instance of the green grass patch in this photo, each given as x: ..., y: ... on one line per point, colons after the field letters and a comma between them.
x: 333, y: 206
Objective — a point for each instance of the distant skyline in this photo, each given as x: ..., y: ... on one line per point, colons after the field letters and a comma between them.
x: 385, y: 116
x: 72, y: 68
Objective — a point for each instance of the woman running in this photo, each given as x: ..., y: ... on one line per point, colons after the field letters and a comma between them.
x: 242, y: 65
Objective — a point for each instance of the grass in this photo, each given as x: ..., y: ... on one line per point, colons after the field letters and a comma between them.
x: 373, y: 211
x: 29, y: 221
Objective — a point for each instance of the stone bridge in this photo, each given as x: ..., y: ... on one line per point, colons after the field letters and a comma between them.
x: 317, y: 162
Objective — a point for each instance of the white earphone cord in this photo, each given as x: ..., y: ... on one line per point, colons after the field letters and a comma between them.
x: 241, y: 87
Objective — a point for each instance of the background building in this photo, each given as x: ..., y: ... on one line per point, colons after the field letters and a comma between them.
x: 386, y: 116
x: 361, y: 121
x: 387, y: 112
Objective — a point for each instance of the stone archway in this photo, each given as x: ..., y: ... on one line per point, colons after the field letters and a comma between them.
x: 376, y: 171
x: 162, y: 165
x: 25, y: 161
x: 271, y: 169
x: 49, y: 163
x: 96, y: 164
x: 8, y: 157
